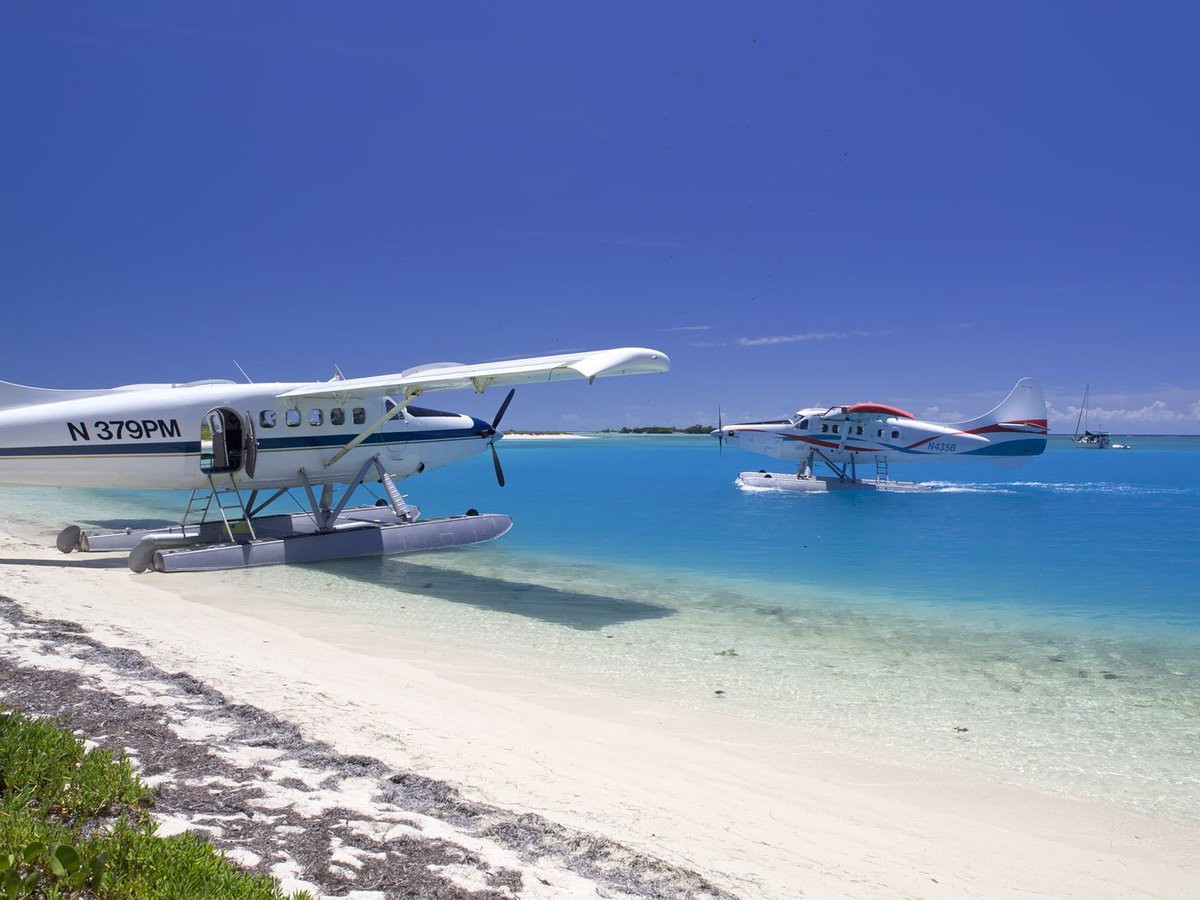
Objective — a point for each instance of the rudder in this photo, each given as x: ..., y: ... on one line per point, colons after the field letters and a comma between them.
x: 1024, y: 406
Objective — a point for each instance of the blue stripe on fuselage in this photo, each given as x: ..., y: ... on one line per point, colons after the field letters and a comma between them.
x: 174, y: 448
x: 1028, y: 447
x: 161, y: 448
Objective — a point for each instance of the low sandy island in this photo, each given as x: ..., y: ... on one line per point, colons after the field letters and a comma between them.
x: 545, y: 435
x: 406, y: 770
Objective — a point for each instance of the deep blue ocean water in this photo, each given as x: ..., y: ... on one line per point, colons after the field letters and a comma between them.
x: 1052, y: 611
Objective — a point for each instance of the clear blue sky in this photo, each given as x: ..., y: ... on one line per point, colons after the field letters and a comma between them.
x: 801, y: 203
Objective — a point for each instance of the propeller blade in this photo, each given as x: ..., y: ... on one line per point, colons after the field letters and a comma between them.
x: 492, y: 432
x: 503, y: 408
x: 720, y: 433
x: 496, y: 463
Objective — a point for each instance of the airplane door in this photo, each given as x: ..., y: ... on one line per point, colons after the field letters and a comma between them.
x: 250, y: 444
x: 223, y: 444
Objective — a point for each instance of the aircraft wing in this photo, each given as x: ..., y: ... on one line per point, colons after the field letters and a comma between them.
x: 591, y: 364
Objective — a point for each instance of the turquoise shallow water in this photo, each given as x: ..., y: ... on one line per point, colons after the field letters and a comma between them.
x: 1095, y: 533
x: 1052, y: 611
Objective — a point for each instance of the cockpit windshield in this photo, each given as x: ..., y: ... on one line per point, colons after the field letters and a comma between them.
x: 415, y: 412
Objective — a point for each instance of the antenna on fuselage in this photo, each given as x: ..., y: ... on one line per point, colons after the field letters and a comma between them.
x: 249, y: 380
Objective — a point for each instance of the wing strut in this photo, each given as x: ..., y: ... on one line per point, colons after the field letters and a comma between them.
x: 409, y: 396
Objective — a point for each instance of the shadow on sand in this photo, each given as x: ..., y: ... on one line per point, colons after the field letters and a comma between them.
x: 574, y: 609
x: 74, y: 561
x: 101, y: 525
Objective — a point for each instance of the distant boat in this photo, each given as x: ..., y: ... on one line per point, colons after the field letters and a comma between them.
x: 1098, y: 439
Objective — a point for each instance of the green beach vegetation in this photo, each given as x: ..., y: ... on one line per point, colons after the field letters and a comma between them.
x: 661, y: 429
x: 74, y: 823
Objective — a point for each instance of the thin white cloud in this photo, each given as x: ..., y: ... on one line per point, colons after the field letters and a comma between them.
x: 708, y: 344
x: 688, y: 328
x: 792, y: 338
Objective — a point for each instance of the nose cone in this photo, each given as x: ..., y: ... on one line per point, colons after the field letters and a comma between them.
x: 725, y: 435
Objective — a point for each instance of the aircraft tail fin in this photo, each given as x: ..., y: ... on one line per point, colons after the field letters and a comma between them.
x: 13, y: 395
x: 1024, y: 409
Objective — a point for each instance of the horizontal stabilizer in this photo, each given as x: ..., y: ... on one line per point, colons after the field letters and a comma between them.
x: 1023, y: 426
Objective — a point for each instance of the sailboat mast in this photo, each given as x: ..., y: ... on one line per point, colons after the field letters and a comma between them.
x: 1082, y: 408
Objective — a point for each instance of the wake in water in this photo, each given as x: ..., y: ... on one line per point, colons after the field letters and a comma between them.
x: 1057, y: 487
x: 1004, y: 487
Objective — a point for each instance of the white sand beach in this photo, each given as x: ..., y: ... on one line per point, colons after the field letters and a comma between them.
x: 742, y: 804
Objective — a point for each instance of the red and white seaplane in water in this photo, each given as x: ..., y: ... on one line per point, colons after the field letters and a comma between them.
x: 240, y: 447
x: 845, y: 437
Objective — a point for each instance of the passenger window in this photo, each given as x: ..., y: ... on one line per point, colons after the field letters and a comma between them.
x: 804, y: 424
x: 879, y: 433
x: 824, y: 427
x: 360, y: 416
x: 858, y: 430
x: 337, y: 416
x: 895, y: 434
x: 316, y: 417
x: 266, y: 418
x: 835, y: 429
x: 292, y: 418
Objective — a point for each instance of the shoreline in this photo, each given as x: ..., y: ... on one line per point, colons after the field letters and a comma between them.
x: 702, y: 792
x: 298, y: 810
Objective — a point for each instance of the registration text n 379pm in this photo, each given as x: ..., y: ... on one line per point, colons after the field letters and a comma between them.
x: 240, y: 447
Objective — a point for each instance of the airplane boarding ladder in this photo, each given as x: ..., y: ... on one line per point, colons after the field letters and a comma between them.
x: 881, y: 469
x: 223, y: 508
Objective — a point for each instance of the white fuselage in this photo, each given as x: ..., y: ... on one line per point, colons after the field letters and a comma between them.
x: 153, y: 436
x: 867, y: 432
x: 840, y: 438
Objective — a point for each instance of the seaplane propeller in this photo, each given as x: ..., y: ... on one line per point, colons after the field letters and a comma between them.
x: 720, y: 433
x: 492, y: 431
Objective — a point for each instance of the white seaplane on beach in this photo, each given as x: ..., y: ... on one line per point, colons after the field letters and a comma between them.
x: 843, y: 437
x: 240, y: 447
